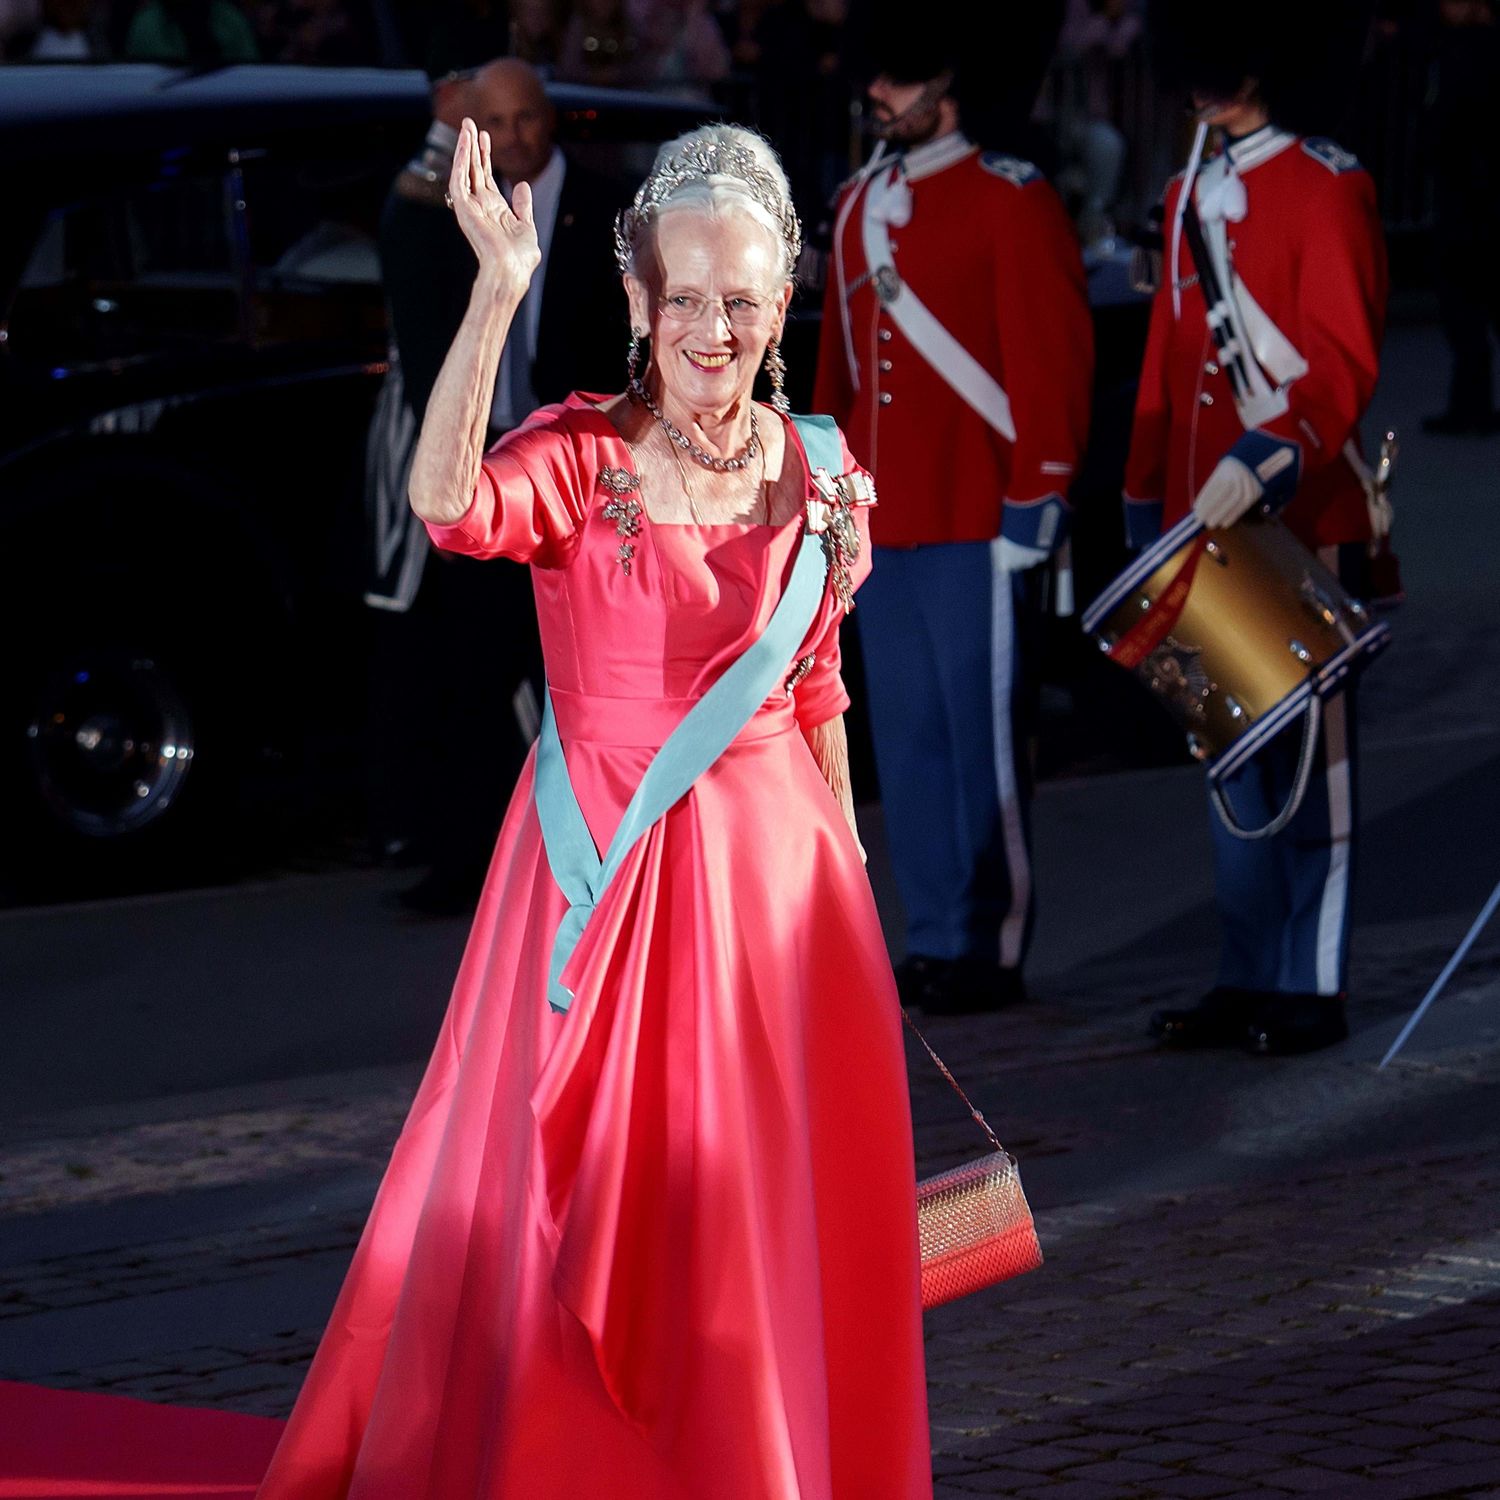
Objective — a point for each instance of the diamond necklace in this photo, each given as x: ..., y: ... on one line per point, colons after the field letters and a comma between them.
x: 683, y: 441
x: 759, y: 489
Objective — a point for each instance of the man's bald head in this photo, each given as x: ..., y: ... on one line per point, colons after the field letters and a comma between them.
x: 508, y: 99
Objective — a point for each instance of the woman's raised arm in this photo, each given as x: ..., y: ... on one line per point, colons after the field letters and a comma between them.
x: 445, y: 466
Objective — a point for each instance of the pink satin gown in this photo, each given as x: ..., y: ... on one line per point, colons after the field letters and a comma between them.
x: 663, y: 1245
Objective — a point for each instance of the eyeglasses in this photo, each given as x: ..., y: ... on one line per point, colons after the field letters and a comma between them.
x: 742, y: 311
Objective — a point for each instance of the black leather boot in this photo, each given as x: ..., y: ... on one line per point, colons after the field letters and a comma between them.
x: 1219, y: 1019
x: 915, y: 973
x: 967, y: 986
x: 1287, y: 1024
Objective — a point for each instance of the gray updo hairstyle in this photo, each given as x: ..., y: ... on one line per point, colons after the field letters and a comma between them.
x: 715, y: 169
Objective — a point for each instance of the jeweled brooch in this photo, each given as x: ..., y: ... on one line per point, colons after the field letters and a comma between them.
x: 831, y: 516
x: 624, y: 512
x: 800, y: 668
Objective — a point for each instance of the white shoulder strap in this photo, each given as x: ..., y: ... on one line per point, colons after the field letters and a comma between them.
x: 859, y: 184
x: 1277, y: 355
x: 1271, y: 361
x: 968, y: 378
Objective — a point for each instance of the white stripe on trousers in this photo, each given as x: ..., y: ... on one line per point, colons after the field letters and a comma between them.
x: 1333, y: 910
x: 1002, y: 686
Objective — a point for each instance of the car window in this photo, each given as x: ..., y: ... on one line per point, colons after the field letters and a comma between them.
x: 313, y: 211
x: 152, y: 257
x: 313, y: 220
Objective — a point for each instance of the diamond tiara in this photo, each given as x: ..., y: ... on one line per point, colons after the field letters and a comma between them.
x: 698, y: 161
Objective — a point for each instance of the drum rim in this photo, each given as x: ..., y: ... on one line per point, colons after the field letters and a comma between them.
x: 1322, y: 682
x: 1141, y: 569
x: 1253, y: 740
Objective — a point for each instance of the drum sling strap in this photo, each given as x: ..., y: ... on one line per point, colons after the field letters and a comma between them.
x: 705, y: 732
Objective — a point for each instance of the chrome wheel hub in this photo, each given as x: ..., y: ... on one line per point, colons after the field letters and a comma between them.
x: 111, y: 745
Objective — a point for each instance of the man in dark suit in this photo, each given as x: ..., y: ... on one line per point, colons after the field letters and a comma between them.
x: 575, y: 305
x: 442, y: 775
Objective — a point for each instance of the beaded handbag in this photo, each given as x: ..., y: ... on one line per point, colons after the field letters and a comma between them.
x: 973, y: 1222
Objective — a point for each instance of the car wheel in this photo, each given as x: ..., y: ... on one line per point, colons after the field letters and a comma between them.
x: 137, y: 759
x: 111, y: 742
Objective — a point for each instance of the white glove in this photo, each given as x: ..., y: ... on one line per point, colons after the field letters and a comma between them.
x: 1016, y: 557
x: 1229, y: 492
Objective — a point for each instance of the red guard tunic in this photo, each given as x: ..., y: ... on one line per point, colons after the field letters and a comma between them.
x: 1309, y: 249
x: 991, y: 254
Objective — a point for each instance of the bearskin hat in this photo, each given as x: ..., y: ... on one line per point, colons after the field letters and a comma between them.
x: 1303, y: 57
x: 998, y: 56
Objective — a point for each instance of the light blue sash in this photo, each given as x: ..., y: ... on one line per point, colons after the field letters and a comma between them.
x: 706, y: 731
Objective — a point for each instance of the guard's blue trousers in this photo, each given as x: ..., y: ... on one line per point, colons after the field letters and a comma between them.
x: 1284, y: 901
x: 946, y: 633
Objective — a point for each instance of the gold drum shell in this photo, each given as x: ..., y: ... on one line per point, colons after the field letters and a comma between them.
x: 1263, y: 626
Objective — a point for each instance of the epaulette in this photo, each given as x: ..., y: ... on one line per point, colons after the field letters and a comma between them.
x: 1331, y: 154
x: 1013, y: 169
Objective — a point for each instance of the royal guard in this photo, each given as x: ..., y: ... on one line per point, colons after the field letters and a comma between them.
x: 957, y: 354
x: 1262, y: 356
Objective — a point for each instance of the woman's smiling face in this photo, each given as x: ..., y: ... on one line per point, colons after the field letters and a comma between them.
x: 714, y: 297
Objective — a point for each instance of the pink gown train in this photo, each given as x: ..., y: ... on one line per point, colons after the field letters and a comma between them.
x: 663, y: 1245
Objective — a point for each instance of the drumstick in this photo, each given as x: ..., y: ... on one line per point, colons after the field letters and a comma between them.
x: 1446, y: 975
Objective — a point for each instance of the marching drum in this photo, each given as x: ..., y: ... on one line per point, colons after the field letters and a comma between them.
x: 1240, y: 633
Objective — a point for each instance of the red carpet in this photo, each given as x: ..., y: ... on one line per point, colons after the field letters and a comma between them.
x: 64, y: 1445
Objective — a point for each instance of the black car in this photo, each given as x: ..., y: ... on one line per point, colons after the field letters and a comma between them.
x: 192, y: 336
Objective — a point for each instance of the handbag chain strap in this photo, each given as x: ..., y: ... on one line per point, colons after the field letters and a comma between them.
x: 942, y: 1068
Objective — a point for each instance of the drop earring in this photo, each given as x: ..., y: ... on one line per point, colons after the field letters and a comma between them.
x: 776, y: 372
x: 633, y: 359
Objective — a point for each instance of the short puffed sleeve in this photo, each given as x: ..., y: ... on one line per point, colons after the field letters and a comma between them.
x: 821, y: 694
x: 530, y: 499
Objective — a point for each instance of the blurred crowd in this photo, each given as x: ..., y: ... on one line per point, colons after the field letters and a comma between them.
x: 791, y: 67
x: 655, y: 44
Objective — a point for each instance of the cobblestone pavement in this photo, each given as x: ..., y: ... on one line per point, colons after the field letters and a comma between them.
x: 1278, y: 1326
x: 1264, y: 1342
x: 340, y: 1128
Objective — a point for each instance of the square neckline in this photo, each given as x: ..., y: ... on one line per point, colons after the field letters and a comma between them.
x: 587, y: 403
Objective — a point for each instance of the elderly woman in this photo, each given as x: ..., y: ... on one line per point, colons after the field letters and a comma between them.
x: 650, y: 1228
